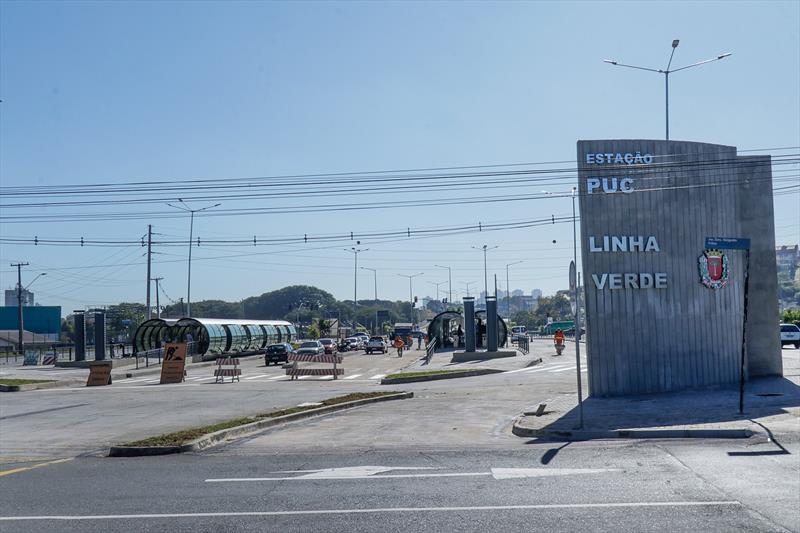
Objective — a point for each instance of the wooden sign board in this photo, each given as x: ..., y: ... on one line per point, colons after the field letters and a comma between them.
x: 174, y: 364
x: 99, y: 374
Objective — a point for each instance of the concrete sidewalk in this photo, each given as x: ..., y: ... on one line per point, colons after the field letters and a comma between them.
x: 771, y: 409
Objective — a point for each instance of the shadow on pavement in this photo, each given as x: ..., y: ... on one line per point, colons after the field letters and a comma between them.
x: 764, y: 397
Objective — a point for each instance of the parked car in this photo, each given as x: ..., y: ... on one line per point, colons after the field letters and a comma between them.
x: 790, y: 334
x: 311, y: 348
x: 329, y: 345
x: 355, y: 343
x: 376, y: 344
x: 517, y: 332
x: 278, y: 353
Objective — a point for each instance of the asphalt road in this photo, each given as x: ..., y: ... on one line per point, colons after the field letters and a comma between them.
x: 443, y: 461
x: 590, y: 486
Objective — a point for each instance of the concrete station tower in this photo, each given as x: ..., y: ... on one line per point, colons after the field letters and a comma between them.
x: 663, y: 313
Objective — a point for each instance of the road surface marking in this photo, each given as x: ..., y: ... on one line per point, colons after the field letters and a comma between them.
x: 378, y: 376
x: 564, y: 369
x: 258, y: 376
x: 278, y: 376
x: 354, y: 376
x: 616, y: 505
x: 39, y: 465
x: 368, y: 472
x: 543, y: 369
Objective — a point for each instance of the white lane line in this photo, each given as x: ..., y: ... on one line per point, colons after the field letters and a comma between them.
x: 378, y: 376
x: 256, y: 377
x: 132, y: 380
x: 277, y: 377
x: 544, y: 506
x: 354, y: 376
x: 543, y: 369
x: 195, y: 378
x: 564, y: 369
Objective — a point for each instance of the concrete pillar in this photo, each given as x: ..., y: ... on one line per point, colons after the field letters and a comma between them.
x: 491, y: 323
x: 469, y: 324
x: 80, y: 337
x: 99, y: 336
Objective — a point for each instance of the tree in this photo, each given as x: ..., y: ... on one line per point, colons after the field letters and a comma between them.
x: 324, y: 327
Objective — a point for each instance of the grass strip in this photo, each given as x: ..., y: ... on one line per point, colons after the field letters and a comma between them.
x: 431, y: 373
x: 179, y: 438
x: 24, y: 381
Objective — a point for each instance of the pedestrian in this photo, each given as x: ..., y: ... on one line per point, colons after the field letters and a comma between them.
x: 419, y: 341
x: 481, y: 328
x: 459, y: 335
x: 398, y: 343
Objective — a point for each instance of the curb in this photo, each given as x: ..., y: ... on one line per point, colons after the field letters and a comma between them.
x: 435, y: 377
x: 592, y: 434
x: 34, y: 386
x: 218, y: 437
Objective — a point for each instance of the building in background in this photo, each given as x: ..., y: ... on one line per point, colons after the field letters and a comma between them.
x: 787, y: 259
x: 41, y: 320
x: 12, y: 298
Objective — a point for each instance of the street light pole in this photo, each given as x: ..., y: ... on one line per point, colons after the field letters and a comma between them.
x: 577, y: 310
x: 449, y: 283
x: 467, y: 284
x: 437, y: 283
x: 485, y: 249
x: 508, y: 289
x: 375, y: 273
x: 191, y: 212
x: 411, y: 292
x: 355, y: 251
x: 666, y: 72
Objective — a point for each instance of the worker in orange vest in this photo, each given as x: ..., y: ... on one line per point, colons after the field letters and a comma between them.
x: 558, y: 338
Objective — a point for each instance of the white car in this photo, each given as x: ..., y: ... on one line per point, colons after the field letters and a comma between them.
x: 517, y: 332
x: 376, y: 344
x: 790, y: 334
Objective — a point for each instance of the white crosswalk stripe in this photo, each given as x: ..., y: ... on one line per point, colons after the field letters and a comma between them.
x: 378, y: 376
x: 277, y: 377
x: 354, y: 376
x: 545, y: 368
x: 563, y: 369
x: 256, y: 377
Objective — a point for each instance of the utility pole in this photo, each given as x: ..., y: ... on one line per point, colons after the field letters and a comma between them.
x: 158, y: 306
x: 149, y: 244
x: 21, y: 345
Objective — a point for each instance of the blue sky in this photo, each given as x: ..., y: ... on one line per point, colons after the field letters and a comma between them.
x: 132, y: 91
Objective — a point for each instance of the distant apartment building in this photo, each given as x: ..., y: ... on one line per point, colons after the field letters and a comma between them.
x: 787, y: 259
x: 12, y: 301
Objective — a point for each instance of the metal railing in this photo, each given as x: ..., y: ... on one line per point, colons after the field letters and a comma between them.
x: 430, y: 348
x: 523, y: 344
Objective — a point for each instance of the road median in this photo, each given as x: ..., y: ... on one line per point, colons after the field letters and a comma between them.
x: 433, y: 375
x: 199, y: 438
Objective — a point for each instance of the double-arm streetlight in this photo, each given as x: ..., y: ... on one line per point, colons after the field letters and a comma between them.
x: 485, y: 248
x: 355, y: 251
x: 437, y: 283
x: 375, y: 273
x: 449, y: 283
x: 666, y: 72
x: 467, y: 284
x: 410, y: 291
x: 508, y: 289
x: 186, y: 208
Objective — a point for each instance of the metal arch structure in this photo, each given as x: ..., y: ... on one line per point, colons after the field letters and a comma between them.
x: 213, y: 336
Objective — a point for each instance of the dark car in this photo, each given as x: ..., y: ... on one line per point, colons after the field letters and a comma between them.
x: 278, y: 353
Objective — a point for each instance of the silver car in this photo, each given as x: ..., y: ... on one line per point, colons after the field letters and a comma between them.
x: 311, y: 348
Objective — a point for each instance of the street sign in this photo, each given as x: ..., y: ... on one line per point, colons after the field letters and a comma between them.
x: 572, y: 276
x: 727, y: 243
x: 174, y: 364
